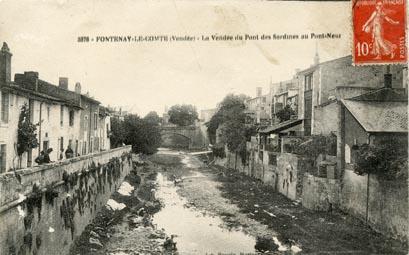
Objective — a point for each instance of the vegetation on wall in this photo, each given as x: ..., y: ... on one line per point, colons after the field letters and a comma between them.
x: 183, y: 115
x: 285, y: 113
x: 388, y: 159
x: 314, y: 145
x: 26, y: 133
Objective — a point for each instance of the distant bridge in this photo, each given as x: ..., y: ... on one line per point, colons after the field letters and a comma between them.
x: 189, y: 137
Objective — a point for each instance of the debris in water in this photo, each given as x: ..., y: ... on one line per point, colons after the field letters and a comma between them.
x: 21, y: 198
x: 51, y: 230
x: 269, y: 213
x: 21, y: 211
x: 95, y: 242
x: 114, y: 205
x: 281, y: 247
x: 295, y: 249
x: 126, y: 189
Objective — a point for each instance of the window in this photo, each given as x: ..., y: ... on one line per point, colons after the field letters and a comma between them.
x: 62, y: 115
x: 308, y: 82
x: 45, y: 145
x: 71, y: 118
x: 84, y: 148
x: 108, y: 131
x: 2, y: 158
x: 76, y: 148
x: 95, y: 121
x: 272, y: 159
x: 62, y: 143
x: 48, y: 113
x: 4, y: 107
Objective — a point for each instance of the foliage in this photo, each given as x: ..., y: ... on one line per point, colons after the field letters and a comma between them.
x: 218, y: 151
x: 117, y: 135
x: 26, y: 135
x: 152, y: 118
x: 230, y: 120
x: 285, y: 113
x: 315, y: 145
x: 182, y: 115
x: 388, y: 159
x: 142, y: 134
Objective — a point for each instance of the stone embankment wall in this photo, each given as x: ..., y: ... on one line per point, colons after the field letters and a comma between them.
x: 320, y: 194
x: 383, y: 202
x: 43, y: 209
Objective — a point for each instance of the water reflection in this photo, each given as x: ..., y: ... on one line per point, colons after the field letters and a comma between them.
x: 196, y: 233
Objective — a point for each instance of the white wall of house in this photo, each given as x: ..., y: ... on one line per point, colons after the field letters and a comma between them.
x: 55, y: 130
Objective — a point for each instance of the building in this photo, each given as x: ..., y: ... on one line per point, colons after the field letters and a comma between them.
x: 63, y: 118
x: 282, y: 94
x: 322, y: 83
x: 258, y: 109
x: 372, y: 118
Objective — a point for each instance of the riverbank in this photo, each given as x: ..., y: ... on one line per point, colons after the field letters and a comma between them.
x: 260, y: 211
x: 124, y: 226
x: 212, y: 209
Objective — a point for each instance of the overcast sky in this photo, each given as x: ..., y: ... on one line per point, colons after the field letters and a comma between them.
x: 42, y: 36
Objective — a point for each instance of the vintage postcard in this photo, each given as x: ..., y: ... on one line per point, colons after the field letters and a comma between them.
x: 203, y: 127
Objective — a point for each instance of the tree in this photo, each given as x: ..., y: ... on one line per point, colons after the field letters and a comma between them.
x: 231, y: 104
x: 142, y: 134
x: 388, y: 159
x: 230, y: 120
x: 117, y: 134
x: 26, y: 134
x: 285, y: 113
x: 182, y: 115
x: 152, y: 118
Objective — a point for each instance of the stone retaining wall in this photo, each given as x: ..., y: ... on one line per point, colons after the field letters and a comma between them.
x: 43, y: 209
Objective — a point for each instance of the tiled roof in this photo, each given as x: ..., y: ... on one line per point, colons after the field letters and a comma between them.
x: 16, y: 89
x: 379, y: 116
x: 383, y: 94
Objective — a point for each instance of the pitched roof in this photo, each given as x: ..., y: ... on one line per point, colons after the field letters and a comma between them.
x: 379, y: 116
x: 383, y: 94
x: 281, y: 126
x: 18, y: 90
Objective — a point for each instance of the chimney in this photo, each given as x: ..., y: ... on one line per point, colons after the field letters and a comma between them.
x: 78, y: 88
x: 5, y: 64
x: 63, y: 83
x: 388, y: 80
x: 259, y: 91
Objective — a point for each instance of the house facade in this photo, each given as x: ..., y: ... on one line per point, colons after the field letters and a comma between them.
x: 322, y: 83
x: 258, y: 109
x: 373, y: 118
x: 57, y: 112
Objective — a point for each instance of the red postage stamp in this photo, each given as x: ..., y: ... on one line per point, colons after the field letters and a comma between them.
x: 379, y: 31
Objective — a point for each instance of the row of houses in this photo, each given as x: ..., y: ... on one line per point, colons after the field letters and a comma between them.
x: 63, y: 118
x: 352, y: 106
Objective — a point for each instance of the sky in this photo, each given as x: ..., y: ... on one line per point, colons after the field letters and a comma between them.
x: 141, y: 77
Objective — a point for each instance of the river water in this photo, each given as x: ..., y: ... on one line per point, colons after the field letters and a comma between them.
x: 196, y: 233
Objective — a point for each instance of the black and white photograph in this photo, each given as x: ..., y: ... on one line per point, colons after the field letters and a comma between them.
x: 203, y: 127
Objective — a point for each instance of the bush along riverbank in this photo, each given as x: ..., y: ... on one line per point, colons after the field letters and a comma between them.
x: 124, y: 225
